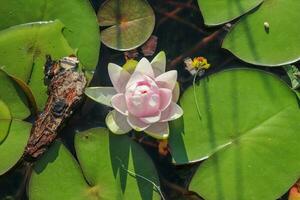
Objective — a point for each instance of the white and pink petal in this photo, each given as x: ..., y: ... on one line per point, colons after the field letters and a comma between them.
x: 117, y: 123
x: 173, y: 112
x: 135, y: 78
x: 136, y: 123
x: 159, y: 130
x: 165, y: 98
x: 101, y: 95
x: 118, y: 102
x: 167, y: 80
x: 118, y: 76
x: 159, y: 63
x: 176, y: 93
x: 144, y: 67
x: 151, y: 119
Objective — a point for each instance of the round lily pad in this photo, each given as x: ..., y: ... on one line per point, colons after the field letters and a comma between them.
x: 222, y: 11
x: 23, y: 49
x: 81, y: 29
x: 14, y: 134
x: 113, y: 167
x: 131, y: 23
x: 245, y: 123
x: 268, y: 36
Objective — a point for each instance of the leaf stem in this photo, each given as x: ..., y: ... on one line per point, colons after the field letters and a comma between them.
x: 195, y: 97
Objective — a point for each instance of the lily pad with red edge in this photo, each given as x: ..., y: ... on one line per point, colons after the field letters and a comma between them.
x: 244, y: 124
x: 23, y: 49
x: 110, y: 167
x: 81, y: 29
x: 14, y: 134
x: 129, y: 23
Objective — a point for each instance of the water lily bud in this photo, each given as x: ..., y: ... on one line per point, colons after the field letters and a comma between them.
x: 130, y: 65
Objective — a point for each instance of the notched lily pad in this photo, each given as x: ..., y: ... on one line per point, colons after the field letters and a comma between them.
x: 23, y: 49
x: 222, y: 11
x: 130, y: 23
x: 113, y: 167
x: 268, y: 36
x: 247, y: 127
x: 12, y: 95
x: 14, y: 134
x: 81, y: 29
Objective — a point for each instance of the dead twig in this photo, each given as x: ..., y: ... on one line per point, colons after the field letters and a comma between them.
x: 180, y: 20
x: 174, y: 12
x: 204, y: 42
x: 180, y: 4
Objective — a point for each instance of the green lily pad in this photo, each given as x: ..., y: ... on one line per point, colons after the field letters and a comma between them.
x: 14, y: 134
x: 247, y: 129
x: 23, y: 49
x: 5, y: 119
x: 13, y: 97
x: 113, y: 167
x: 81, y: 29
x: 222, y: 11
x: 131, y: 23
x: 268, y: 36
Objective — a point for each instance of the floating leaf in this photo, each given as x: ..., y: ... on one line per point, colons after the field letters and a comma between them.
x: 109, y: 164
x: 222, y: 11
x: 131, y: 23
x: 23, y: 49
x: 13, y: 97
x: 81, y: 29
x: 268, y: 36
x: 247, y: 126
x: 5, y: 119
x: 27, y: 91
x: 14, y: 134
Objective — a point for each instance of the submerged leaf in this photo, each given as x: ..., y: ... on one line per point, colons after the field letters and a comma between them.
x: 131, y: 23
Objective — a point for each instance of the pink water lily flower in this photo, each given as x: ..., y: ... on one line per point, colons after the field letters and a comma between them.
x: 144, y: 100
